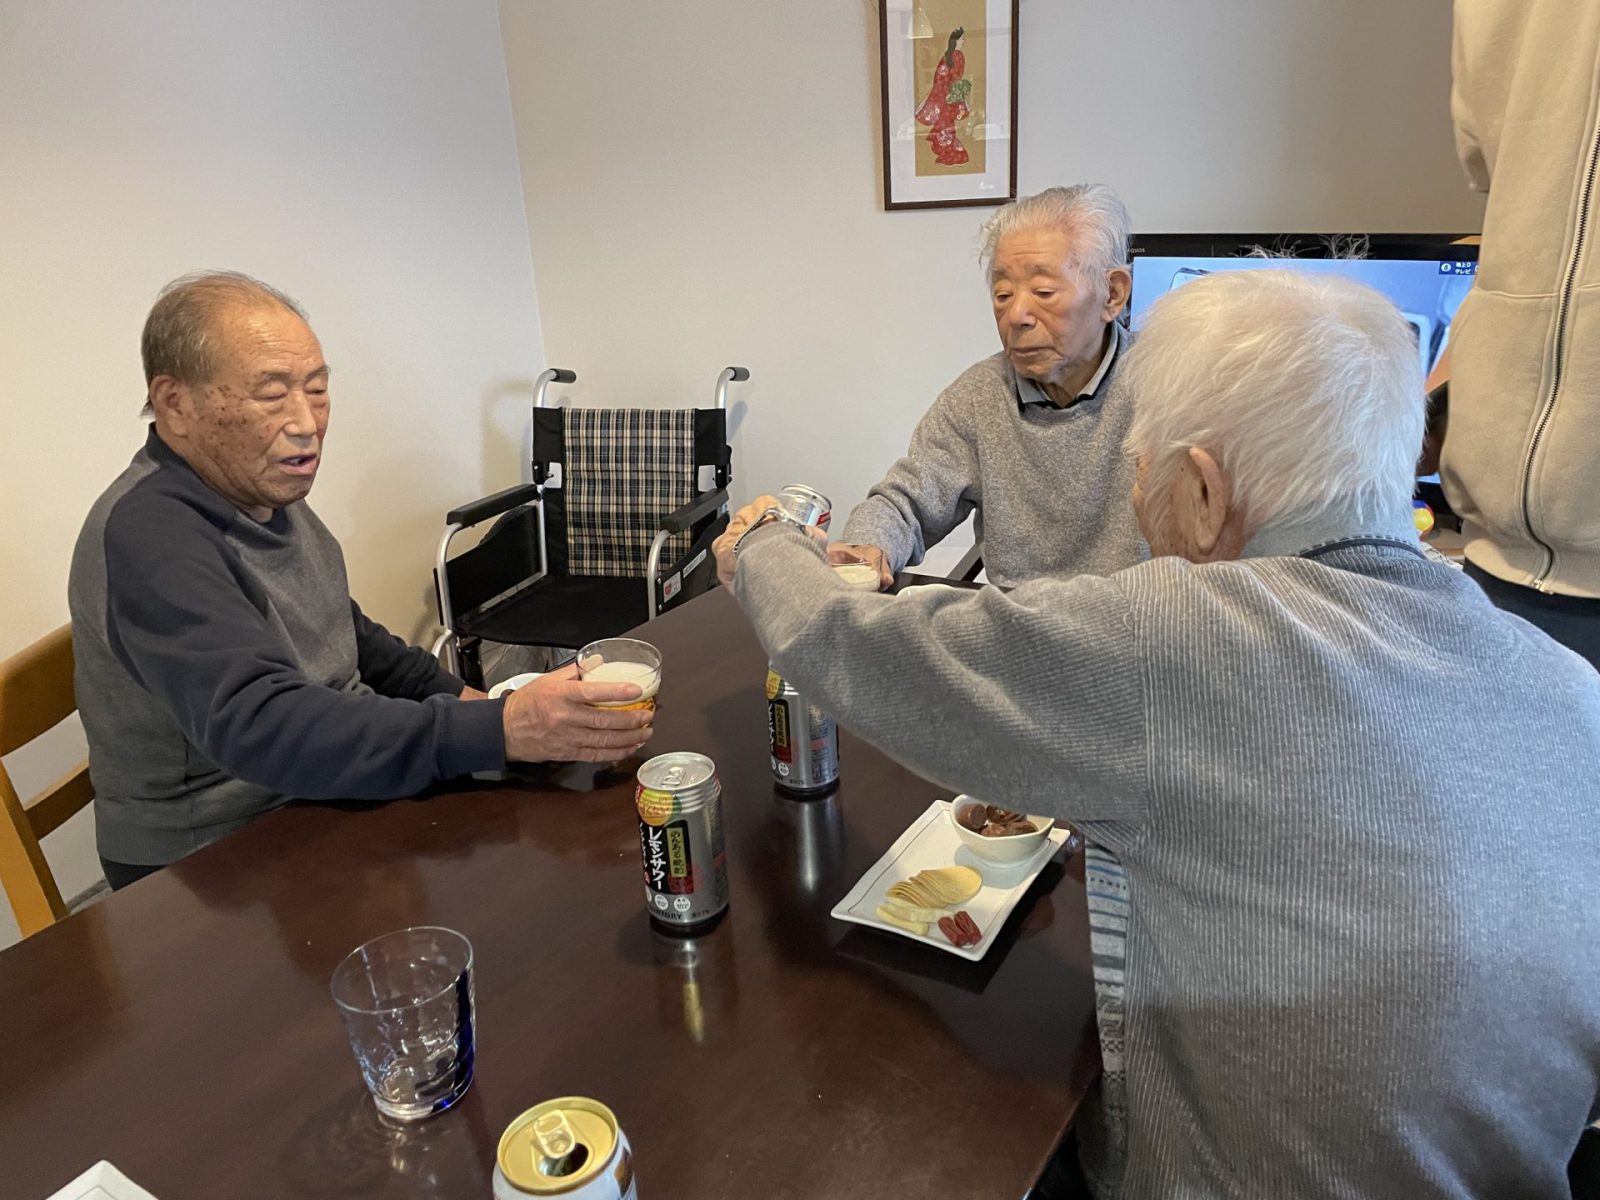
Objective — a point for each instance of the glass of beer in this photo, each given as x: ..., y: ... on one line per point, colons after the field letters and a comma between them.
x: 622, y: 660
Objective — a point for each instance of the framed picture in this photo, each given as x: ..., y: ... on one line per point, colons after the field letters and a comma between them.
x: 949, y: 74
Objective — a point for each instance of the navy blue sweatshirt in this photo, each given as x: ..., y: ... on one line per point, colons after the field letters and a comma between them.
x: 222, y: 668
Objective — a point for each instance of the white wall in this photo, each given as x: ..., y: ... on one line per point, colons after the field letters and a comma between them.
x: 704, y: 185
x: 359, y: 155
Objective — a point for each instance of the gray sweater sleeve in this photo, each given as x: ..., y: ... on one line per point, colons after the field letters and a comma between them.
x: 927, y: 494
x: 1032, y: 699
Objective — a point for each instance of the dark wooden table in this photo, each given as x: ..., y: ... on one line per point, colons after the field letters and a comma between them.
x: 183, y: 1028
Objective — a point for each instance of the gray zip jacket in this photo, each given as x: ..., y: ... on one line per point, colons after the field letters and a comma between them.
x: 1521, y: 460
x: 1358, y: 812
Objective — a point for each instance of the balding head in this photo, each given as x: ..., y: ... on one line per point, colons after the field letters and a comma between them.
x: 238, y: 388
x: 184, y: 333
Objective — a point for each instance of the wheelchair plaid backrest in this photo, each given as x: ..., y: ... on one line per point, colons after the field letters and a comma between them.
x: 626, y: 468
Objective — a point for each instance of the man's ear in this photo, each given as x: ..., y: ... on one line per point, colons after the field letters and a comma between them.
x: 1119, y: 281
x: 170, y: 400
x: 1212, y: 501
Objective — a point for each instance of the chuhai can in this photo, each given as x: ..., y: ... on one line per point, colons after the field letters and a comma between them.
x: 803, y: 740
x: 679, y: 799
x: 805, y: 505
x: 571, y: 1147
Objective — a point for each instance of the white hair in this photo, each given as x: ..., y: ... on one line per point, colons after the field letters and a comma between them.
x: 1307, y: 388
x: 1091, y: 214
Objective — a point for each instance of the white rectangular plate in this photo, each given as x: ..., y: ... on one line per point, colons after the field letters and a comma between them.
x: 102, y: 1182
x: 930, y: 842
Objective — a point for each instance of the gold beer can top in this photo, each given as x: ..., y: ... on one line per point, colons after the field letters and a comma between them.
x: 558, y: 1146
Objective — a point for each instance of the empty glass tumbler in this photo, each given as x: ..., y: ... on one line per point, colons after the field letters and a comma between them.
x: 407, y: 1003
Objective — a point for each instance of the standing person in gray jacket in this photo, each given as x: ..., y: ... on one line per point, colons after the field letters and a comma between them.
x: 1031, y: 438
x: 1521, y: 456
x: 1338, y: 951
x: 222, y: 666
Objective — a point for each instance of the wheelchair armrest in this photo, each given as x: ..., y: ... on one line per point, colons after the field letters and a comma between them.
x: 700, y: 506
x: 492, y: 506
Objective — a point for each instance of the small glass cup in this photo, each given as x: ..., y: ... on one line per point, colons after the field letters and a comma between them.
x: 623, y: 660
x: 407, y: 1003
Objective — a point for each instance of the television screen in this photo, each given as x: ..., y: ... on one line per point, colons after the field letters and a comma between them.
x: 1426, y: 277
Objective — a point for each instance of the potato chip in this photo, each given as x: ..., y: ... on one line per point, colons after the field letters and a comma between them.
x: 938, y: 888
x: 963, y: 883
x: 913, y: 892
x: 922, y: 899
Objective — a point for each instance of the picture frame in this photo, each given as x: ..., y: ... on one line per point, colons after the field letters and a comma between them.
x: 948, y: 78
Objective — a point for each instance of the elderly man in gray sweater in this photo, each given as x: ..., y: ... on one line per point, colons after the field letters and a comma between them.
x: 1029, y: 439
x: 1343, y: 813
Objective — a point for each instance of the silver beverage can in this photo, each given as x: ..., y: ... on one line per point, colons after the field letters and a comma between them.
x: 572, y: 1147
x: 679, y: 799
x: 805, y: 506
x: 802, y: 739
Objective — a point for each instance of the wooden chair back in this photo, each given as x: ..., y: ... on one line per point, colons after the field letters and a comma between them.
x: 36, y: 694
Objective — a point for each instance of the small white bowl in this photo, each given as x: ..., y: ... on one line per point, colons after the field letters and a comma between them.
x: 1013, y: 848
x: 512, y: 684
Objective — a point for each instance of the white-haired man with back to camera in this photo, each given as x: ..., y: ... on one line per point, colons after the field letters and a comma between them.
x: 1343, y: 814
x: 1029, y: 439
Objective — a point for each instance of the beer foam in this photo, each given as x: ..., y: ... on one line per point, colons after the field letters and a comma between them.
x: 862, y: 576
x: 645, y: 676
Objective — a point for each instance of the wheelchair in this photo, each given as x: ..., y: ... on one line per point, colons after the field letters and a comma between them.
x: 615, y: 530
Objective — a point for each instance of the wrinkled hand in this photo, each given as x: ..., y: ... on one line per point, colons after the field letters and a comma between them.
x: 741, y: 520
x: 849, y: 552
x: 550, y: 719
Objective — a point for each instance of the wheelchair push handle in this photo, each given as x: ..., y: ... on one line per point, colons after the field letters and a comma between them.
x: 729, y: 375
x: 546, y: 378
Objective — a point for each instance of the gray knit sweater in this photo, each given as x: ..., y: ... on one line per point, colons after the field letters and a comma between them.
x: 1357, y: 809
x: 1049, y: 485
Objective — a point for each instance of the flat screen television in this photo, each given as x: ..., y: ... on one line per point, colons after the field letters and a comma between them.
x: 1426, y: 275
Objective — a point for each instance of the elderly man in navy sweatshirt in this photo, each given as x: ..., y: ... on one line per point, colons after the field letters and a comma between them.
x: 222, y: 666
x: 1343, y: 813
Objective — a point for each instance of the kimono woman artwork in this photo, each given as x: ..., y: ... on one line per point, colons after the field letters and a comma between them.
x: 947, y: 103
